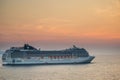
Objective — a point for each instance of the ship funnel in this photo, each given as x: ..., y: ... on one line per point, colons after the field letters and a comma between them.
x: 27, y: 46
x: 74, y: 46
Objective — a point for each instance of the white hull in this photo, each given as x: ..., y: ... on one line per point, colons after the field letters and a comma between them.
x: 49, y: 61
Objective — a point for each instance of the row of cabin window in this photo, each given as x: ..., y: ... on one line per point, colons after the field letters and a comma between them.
x: 76, y: 54
x: 56, y: 57
x: 37, y: 55
x: 81, y: 55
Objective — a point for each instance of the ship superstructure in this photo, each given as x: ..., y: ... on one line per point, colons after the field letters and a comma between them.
x: 30, y: 55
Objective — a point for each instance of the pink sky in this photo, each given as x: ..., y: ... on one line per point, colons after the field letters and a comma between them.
x: 57, y: 23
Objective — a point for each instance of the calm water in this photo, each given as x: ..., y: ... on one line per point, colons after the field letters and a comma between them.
x: 105, y: 67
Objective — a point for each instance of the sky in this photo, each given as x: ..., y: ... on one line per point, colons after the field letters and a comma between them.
x: 58, y: 24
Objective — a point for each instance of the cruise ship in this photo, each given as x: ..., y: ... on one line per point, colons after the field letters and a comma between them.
x: 28, y: 55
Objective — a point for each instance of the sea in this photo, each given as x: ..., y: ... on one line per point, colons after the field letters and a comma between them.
x: 103, y: 67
